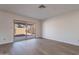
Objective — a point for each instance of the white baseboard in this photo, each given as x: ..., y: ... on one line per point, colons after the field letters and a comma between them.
x: 62, y: 42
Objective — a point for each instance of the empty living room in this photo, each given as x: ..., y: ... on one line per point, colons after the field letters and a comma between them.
x: 39, y: 29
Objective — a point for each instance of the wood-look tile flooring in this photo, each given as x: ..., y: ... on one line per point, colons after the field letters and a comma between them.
x: 38, y: 47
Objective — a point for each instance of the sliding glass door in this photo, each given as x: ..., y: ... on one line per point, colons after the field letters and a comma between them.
x: 24, y: 31
x: 30, y: 30
x: 20, y: 29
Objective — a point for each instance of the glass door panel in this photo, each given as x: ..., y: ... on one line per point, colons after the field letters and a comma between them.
x: 20, y: 29
x: 24, y: 31
x: 30, y: 30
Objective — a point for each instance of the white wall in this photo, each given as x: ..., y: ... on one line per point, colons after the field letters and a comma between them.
x: 6, y: 26
x: 64, y: 28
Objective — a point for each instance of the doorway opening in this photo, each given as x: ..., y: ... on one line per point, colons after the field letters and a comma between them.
x: 23, y: 30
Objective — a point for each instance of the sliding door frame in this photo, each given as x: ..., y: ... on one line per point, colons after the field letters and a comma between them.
x: 26, y: 24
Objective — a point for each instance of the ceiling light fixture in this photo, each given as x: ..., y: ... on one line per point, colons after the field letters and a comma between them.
x: 42, y: 6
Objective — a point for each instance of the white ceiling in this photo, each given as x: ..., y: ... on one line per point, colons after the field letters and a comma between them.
x: 32, y: 10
